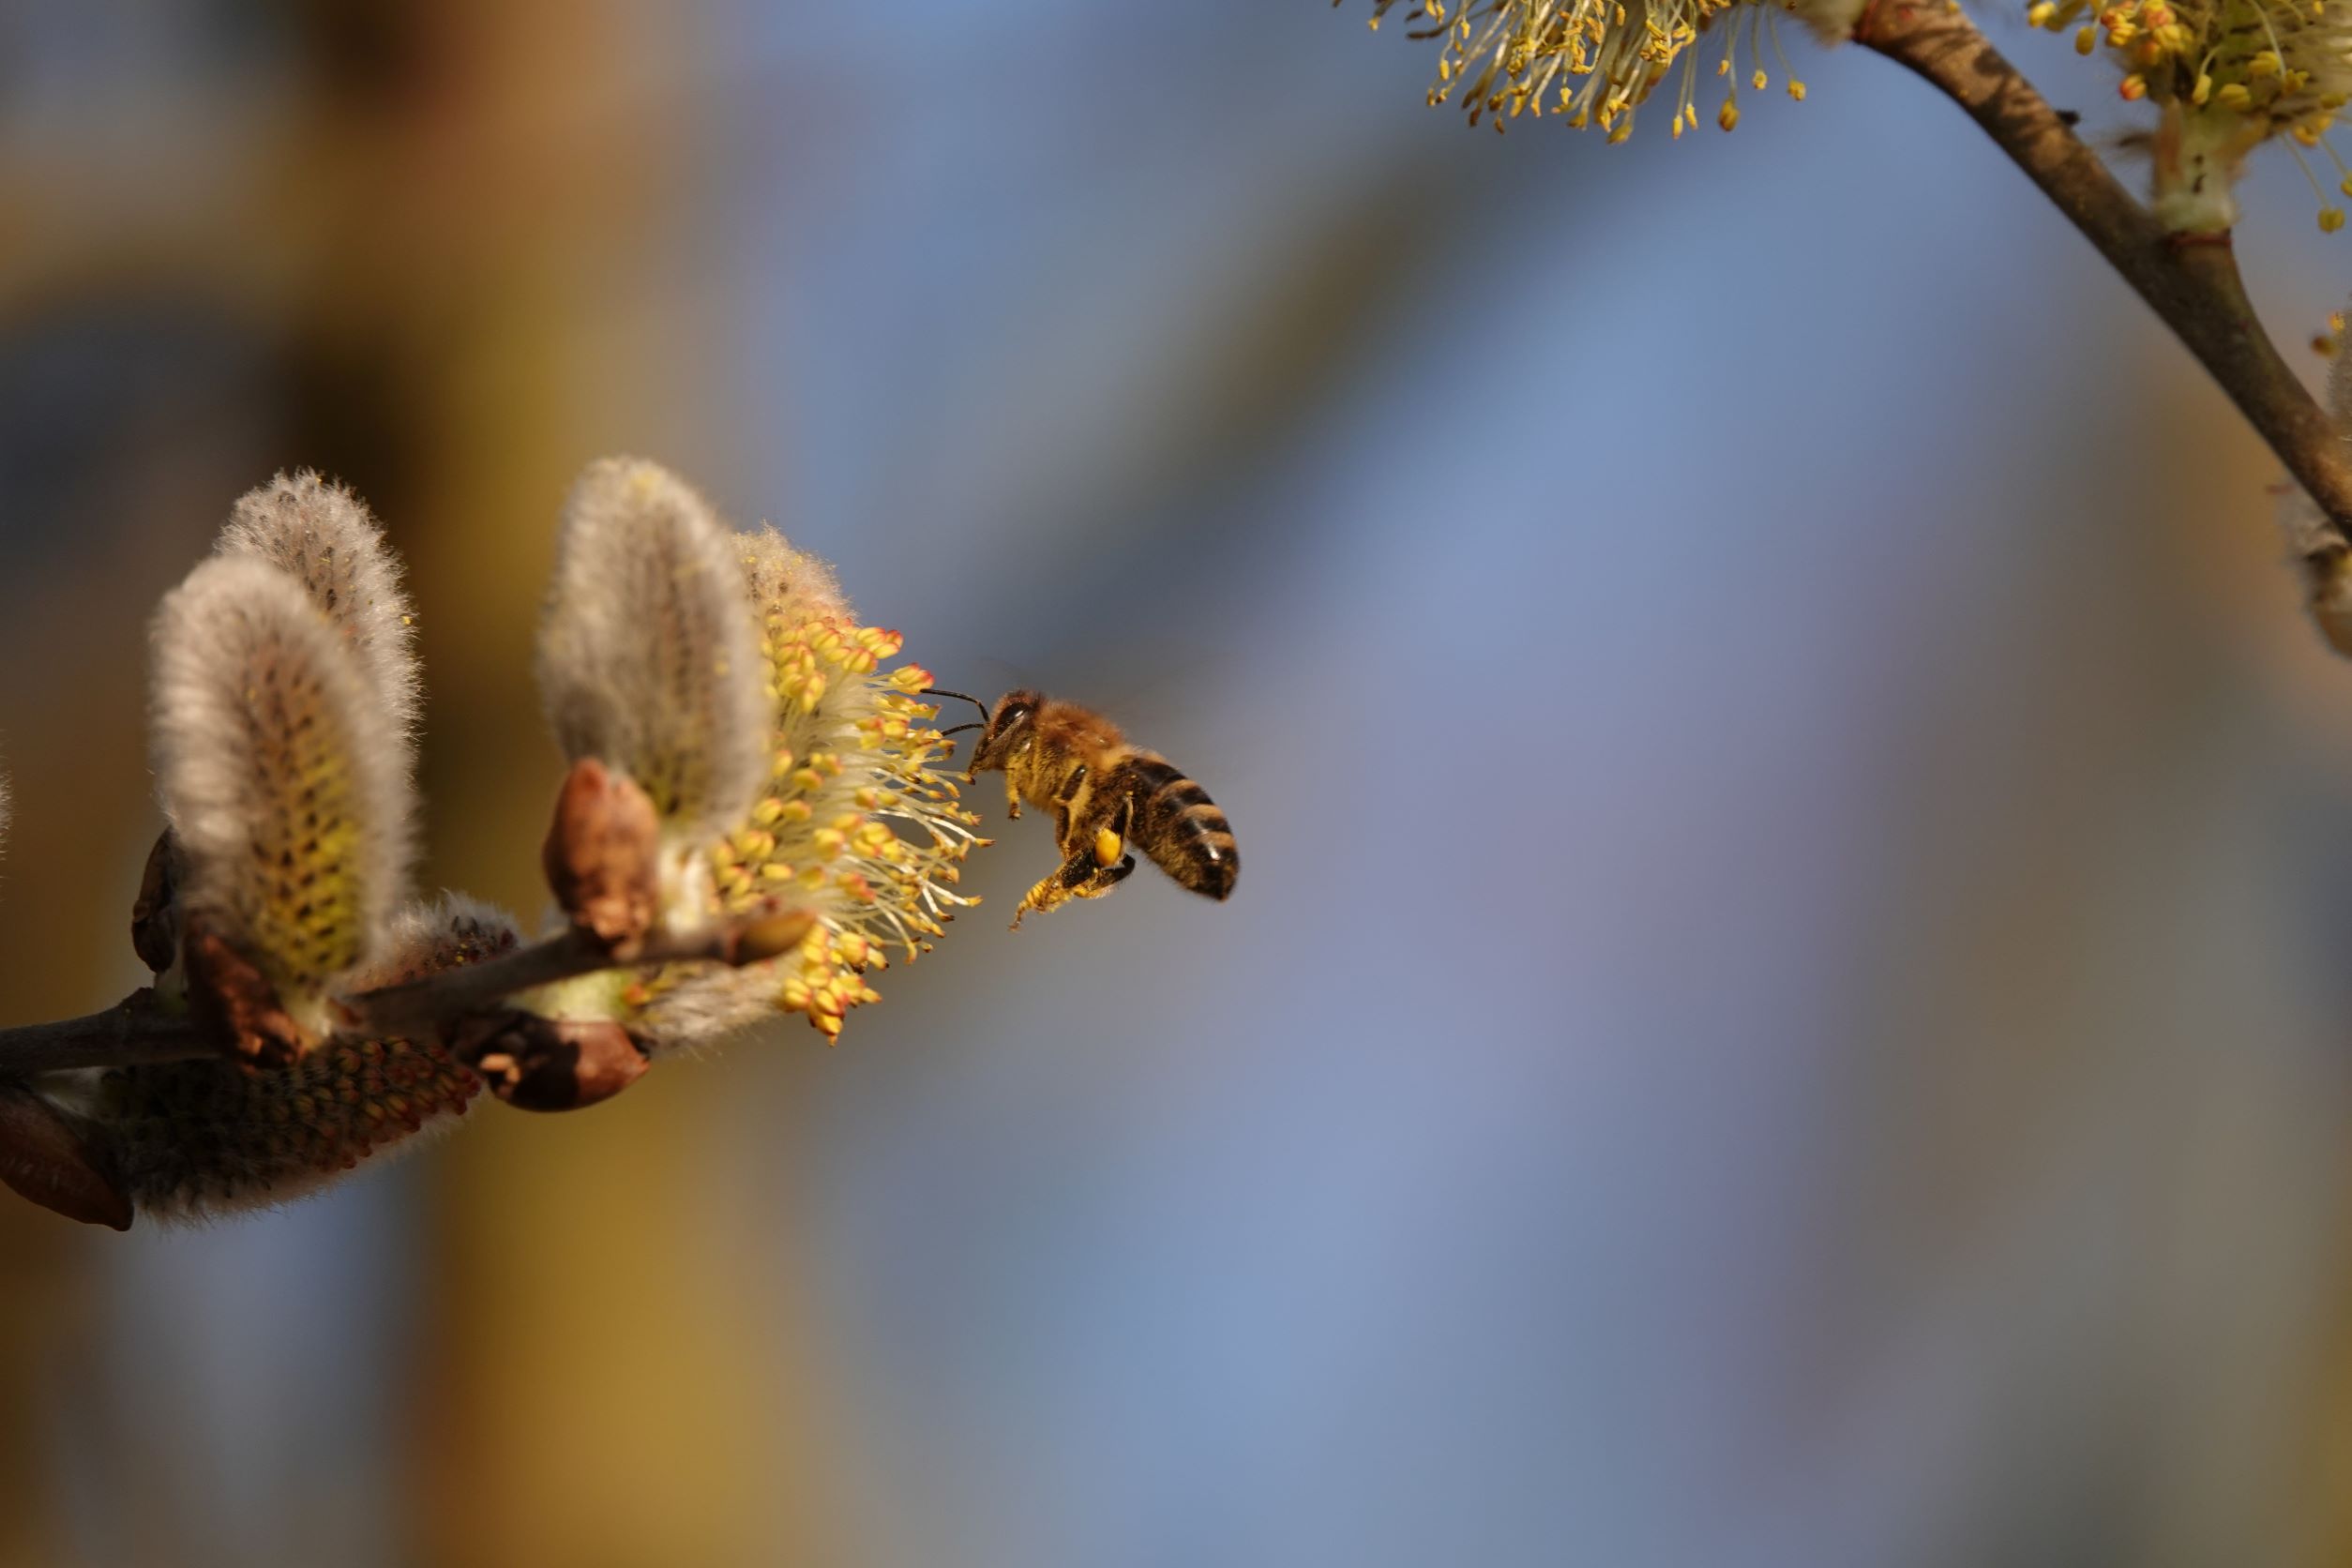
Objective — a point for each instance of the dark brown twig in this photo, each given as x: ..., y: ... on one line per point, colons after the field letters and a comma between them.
x: 132, y: 1032
x: 137, y: 1030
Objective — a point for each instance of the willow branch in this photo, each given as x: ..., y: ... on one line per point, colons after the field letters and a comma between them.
x: 456, y: 994
x: 132, y: 1031
x: 2190, y: 281
x: 138, y: 1030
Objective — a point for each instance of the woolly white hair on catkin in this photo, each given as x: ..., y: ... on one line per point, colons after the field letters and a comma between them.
x: 440, y: 933
x: 283, y: 773
x: 647, y: 660
x: 321, y: 534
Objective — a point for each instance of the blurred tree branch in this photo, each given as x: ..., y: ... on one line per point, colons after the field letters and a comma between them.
x: 2191, y: 282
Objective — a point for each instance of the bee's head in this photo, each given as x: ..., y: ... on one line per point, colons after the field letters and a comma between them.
x: 1009, y: 724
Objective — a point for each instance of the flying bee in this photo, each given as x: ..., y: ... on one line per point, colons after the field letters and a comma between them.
x: 1105, y: 794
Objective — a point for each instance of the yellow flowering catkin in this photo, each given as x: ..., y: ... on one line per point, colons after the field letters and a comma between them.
x: 1597, y: 62
x: 2226, y: 76
x: 857, y: 821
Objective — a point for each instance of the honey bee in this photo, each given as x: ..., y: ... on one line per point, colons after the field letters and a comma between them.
x: 1105, y: 794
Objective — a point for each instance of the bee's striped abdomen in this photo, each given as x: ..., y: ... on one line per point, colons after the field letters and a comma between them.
x: 1180, y: 827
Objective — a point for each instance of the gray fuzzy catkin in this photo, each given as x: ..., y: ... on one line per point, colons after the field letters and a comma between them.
x: 321, y: 534
x: 647, y: 660
x: 284, y: 776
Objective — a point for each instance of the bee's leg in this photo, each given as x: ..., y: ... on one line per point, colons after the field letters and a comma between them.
x: 1064, y: 810
x: 1110, y: 838
x: 1094, y: 860
x: 1012, y: 797
x: 1053, y: 891
x: 1080, y: 877
x: 1045, y: 895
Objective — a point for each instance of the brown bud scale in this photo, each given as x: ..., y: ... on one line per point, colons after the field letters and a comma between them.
x: 154, y: 914
x: 536, y: 1064
x: 231, y: 999
x: 602, y: 856
x: 52, y: 1160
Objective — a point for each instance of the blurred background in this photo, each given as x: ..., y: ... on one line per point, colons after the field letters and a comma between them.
x: 1788, y: 1005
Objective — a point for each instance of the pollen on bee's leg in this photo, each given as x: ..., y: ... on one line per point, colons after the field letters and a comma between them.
x: 1108, y: 848
x: 1104, y: 879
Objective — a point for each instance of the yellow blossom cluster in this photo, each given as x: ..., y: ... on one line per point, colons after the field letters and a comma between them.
x: 2228, y: 75
x: 1597, y: 62
x: 857, y: 822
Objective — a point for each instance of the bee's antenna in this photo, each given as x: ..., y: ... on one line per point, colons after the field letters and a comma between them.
x: 960, y: 729
x: 934, y: 691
